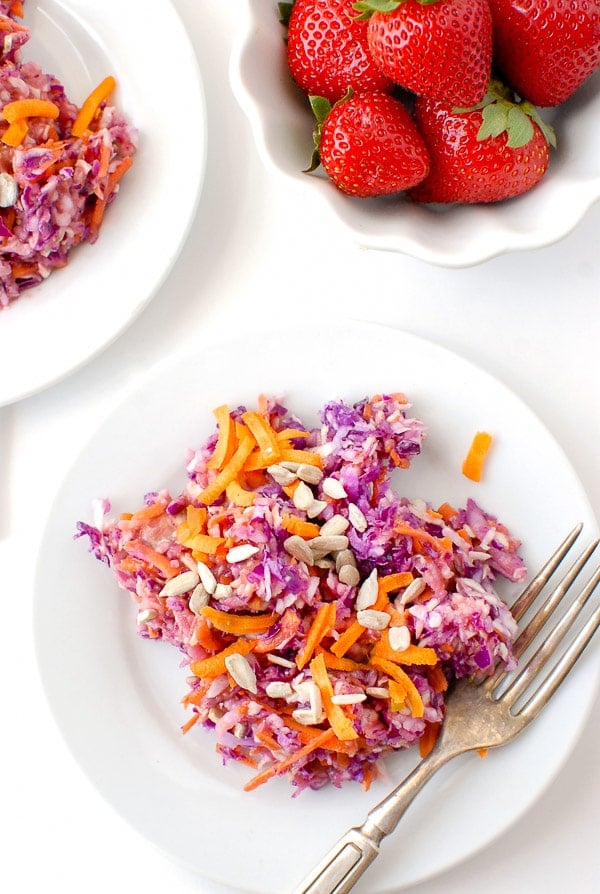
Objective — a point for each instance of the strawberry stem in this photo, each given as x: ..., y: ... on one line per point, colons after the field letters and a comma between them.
x: 501, y: 114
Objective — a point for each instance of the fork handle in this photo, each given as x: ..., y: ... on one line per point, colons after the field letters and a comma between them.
x: 343, y: 865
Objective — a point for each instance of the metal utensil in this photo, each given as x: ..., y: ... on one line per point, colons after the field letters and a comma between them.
x: 479, y: 714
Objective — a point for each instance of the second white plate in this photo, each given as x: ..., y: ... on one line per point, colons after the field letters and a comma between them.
x: 53, y: 329
x: 116, y: 698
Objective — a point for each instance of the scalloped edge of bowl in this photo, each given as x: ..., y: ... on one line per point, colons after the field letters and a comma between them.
x: 281, y: 124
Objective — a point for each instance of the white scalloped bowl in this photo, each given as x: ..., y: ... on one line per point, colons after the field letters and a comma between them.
x: 451, y: 236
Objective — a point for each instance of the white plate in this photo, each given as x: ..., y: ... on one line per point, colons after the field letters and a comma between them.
x: 53, y: 329
x: 116, y: 697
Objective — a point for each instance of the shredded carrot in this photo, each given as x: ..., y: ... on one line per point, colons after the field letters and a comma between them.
x: 411, y: 655
x: 204, y: 543
x: 259, y: 460
x: 91, y: 105
x: 295, y: 525
x: 239, y: 495
x: 280, y: 767
x: 113, y: 179
x: 207, y: 637
x: 474, y: 461
x: 437, y: 678
x: 238, y: 625
x: 264, y: 435
x: 447, y: 511
x: 140, y: 550
x: 390, y: 582
x: 21, y: 271
x: 347, y: 639
x: 441, y: 544
x: 190, y: 723
x: 230, y: 470
x: 29, y: 108
x: 482, y: 752
x: 398, y: 694
x: 302, y: 456
x: 148, y: 512
x: 307, y: 734
x: 396, y: 673
x: 340, y: 723
x: 429, y: 737
x: 215, y: 665
x: 322, y: 624
x: 226, y: 439
x: 333, y: 662
x: 290, y: 434
x: 15, y: 133
x: 265, y: 738
x: 288, y: 626
x: 370, y: 773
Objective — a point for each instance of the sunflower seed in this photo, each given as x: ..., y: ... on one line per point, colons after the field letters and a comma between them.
x: 289, y: 465
x: 299, y: 549
x: 181, y: 584
x: 377, y: 691
x: 241, y: 552
x: 277, y: 659
x: 367, y: 594
x: 305, y: 717
x: 303, y: 497
x: 349, y: 698
x: 399, y: 638
x: 199, y: 598
x: 239, y: 730
x: 334, y: 488
x: 242, y: 671
x: 357, y: 518
x: 308, y: 473
x: 337, y: 524
x: 222, y: 591
x: 209, y: 581
x: 8, y: 190
x: 215, y: 714
x: 325, y: 562
x: 281, y: 475
x: 328, y: 544
x: 147, y: 614
x: 316, y: 508
x: 414, y: 589
x: 349, y: 575
x: 278, y: 689
x: 373, y: 619
x: 344, y: 557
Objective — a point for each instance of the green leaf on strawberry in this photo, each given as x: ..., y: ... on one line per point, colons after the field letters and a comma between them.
x: 285, y: 11
x: 500, y: 114
x: 368, y: 7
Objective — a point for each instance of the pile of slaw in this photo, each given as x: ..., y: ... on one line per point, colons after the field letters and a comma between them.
x: 320, y: 614
x: 54, y: 184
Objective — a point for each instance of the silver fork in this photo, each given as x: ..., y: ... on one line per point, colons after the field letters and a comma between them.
x: 479, y: 714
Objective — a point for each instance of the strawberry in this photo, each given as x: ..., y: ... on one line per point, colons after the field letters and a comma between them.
x: 369, y: 145
x: 493, y: 151
x: 546, y: 49
x: 327, y: 50
x: 436, y: 48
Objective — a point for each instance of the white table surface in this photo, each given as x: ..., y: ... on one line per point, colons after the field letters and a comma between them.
x: 531, y: 319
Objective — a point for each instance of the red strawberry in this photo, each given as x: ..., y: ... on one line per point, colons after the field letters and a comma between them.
x: 369, y: 145
x: 436, y: 48
x: 327, y: 50
x: 495, y: 151
x: 546, y: 48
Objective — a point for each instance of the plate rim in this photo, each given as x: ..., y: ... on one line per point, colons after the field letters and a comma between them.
x: 191, y: 356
